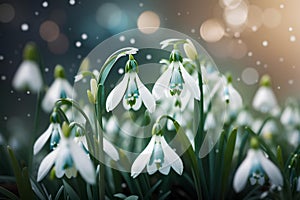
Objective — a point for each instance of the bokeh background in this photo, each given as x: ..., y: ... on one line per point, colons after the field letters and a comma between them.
x: 246, y: 38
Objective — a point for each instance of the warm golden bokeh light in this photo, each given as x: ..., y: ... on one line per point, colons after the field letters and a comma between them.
x: 236, y: 16
x: 212, y: 30
x: 271, y: 17
x: 148, y: 22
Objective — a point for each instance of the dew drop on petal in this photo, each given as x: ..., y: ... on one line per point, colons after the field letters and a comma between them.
x: 122, y: 38
x: 84, y: 36
x: 45, y: 4
x: 121, y: 71
x: 78, y: 44
x: 24, y: 27
x: 148, y: 56
x: 132, y: 41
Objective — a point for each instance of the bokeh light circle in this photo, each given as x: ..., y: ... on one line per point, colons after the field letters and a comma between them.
x: 129, y: 130
x: 7, y: 13
x: 236, y: 16
x: 60, y: 45
x: 212, y: 30
x: 49, y: 31
x: 148, y: 22
x: 250, y: 76
x: 271, y: 18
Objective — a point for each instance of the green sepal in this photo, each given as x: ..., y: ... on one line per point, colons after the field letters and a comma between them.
x: 59, y: 72
x: 30, y: 52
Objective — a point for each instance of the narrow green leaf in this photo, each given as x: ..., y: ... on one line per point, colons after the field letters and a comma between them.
x: 154, y: 187
x: 120, y: 195
x: 17, y: 172
x: 164, y: 196
x: 132, y: 197
x: 8, y: 193
x: 89, y: 192
x: 37, y: 190
x: 228, y: 159
x: 279, y: 157
x: 27, y: 185
x: 61, y: 189
x: 70, y: 191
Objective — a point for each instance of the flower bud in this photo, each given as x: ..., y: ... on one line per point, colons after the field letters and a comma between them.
x: 59, y: 72
x: 30, y: 52
x: 190, y: 50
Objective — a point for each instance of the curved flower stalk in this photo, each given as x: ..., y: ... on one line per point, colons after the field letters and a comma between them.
x: 54, y: 131
x: 264, y: 99
x: 60, y: 88
x: 255, y: 167
x: 131, y: 89
x: 176, y: 81
x: 28, y: 75
x: 68, y: 157
x: 158, y: 155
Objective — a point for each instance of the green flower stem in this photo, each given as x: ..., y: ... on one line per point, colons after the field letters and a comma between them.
x: 200, y: 133
x: 35, y: 128
x: 263, y: 124
x: 99, y: 112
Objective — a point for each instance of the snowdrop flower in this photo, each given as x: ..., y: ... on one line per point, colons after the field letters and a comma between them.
x: 290, y: 116
x: 158, y: 155
x: 60, y: 88
x: 28, y: 75
x: 54, y: 131
x: 108, y: 147
x: 264, y: 99
x: 244, y: 118
x: 131, y: 89
x: 255, y: 167
x: 68, y: 157
x: 269, y: 129
x: 232, y: 98
x: 190, y: 50
x: 176, y: 81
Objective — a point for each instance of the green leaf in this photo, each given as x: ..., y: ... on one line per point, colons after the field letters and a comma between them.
x: 120, y: 195
x: 61, y: 189
x: 70, y: 191
x: 132, y: 197
x: 228, y: 158
x: 149, y: 193
x: 164, y: 196
x: 279, y: 157
x: 8, y: 194
x: 22, y: 179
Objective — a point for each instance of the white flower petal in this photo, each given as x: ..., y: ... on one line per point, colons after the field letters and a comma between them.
x: 151, y: 169
x: 190, y: 82
x: 46, y: 165
x: 185, y: 98
x: 66, y: 86
x: 242, y: 173
x: 117, y: 94
x: 83, y: 163
x: 41, y: 141
x: 142, y: 160
x: 110, y: 150
x: 165, y: 169
x: 171, y: 157
x: 28, y: 75
x: 52, y: 95
x: 60, y: 159
x: 264, y: 100
x: 161, y: 86
x: 272, y: 171
x: 146, y: 96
